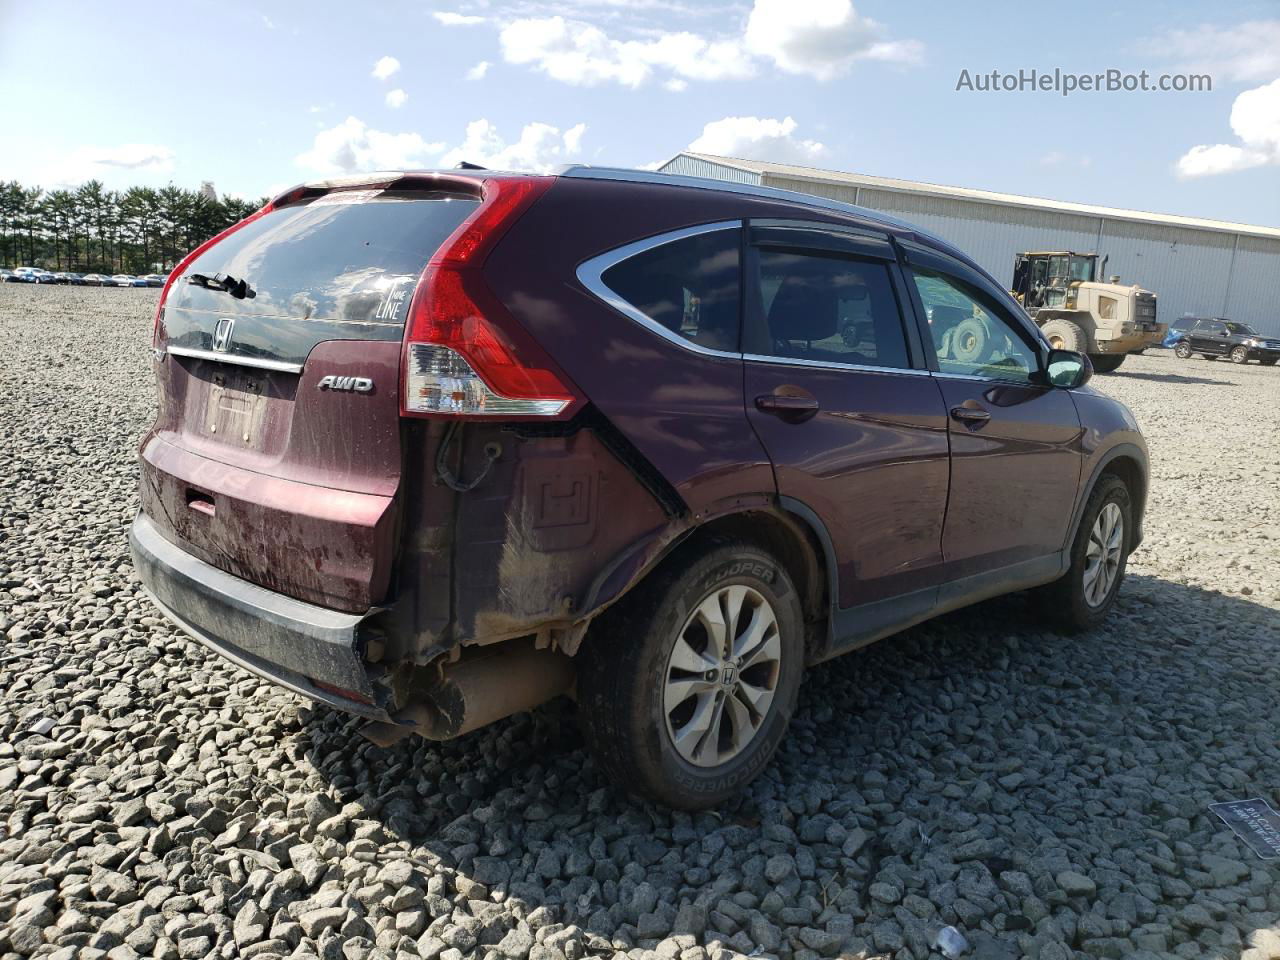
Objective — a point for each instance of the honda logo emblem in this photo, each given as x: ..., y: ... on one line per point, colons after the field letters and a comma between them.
x: 222, y: 333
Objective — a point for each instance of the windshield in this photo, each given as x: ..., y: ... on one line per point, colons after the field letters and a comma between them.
x: 1242, y: 328
x: 1082, y: 268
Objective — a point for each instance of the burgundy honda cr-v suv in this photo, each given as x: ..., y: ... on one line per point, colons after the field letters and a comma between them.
x: 433, y: 448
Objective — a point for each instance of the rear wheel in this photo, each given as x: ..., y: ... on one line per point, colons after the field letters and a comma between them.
x: 687, y: 686
x: 1082, y: 598
x: 971, y: 341
x: 1107, y: 362
x: 1183, y: 350
x: 1240, y: 355
x: 1065, y: 335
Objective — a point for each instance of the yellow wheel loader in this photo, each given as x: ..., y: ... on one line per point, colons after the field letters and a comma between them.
x: 1063, y: 295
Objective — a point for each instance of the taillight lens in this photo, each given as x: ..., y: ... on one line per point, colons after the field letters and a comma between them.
x: 464, y: 354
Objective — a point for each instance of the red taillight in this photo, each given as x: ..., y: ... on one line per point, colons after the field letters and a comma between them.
x: 186, y: 261
x: 464, y: 354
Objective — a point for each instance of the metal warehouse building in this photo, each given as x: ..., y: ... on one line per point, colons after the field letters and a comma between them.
x: 1194, y: 266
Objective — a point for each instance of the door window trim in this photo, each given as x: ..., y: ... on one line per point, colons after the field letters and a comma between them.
x: 753, y: 308
x: 936, y: 262
x: 590, y: 274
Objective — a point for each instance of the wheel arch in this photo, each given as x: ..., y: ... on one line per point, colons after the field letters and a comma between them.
x: 1127, y: 462
x: 793, y: 534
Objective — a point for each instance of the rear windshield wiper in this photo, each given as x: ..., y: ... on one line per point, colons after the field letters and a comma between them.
x: 239, y: 289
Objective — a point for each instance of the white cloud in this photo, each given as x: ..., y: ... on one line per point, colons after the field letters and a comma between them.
x: 457, y: 19
x: 584, y: 55
x: 479, y: 70
x: 1244, y: 53
x: 539, y: 148
x: 126, y: 164
x: 760, y: 138
x: 1255, y: 120
x: 352, y: 146
x: 396, y: 98
x: 820, y: 38
x: 385, y: 67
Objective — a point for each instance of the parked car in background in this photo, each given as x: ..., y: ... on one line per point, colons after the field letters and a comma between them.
x: 662, y: 441
x: 155, y: 279
x: 1219, y: 337
x: 120, y: 280
x: 6, y: 275
x: 93, y: 279
x: 74, y: 279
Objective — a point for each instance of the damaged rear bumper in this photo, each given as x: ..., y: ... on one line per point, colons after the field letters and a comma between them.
x: 291, y: 643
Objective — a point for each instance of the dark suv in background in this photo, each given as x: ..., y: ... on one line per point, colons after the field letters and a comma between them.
x: 1218, y: 337
x: 433, y: 448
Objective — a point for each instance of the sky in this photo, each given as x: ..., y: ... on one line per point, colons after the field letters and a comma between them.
x: 258, y: 96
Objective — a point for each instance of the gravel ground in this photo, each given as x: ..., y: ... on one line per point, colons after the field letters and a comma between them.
x: 1045, y: 796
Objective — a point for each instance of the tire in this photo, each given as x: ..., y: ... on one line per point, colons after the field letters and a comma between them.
x: 1240, y: 355
x: 1066, y: 335
x: 1107, y: 362
x: 1077, y: 601
x: 639, y: 707
x: 971, y: 341
x: 1183, y: 350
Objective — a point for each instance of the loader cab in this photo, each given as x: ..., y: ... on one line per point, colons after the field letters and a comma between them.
x: 1043, y: 279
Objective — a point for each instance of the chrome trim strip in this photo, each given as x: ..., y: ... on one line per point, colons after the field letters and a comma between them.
x: 969, y: 376
x: 833, y: 365
x: 729, y: 186
x: 590, y: 275
x: 234, y: 358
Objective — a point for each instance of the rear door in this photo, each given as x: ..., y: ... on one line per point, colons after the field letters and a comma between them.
x: 1015, y: 445
x: 276, y: 453
x: 837, y: 391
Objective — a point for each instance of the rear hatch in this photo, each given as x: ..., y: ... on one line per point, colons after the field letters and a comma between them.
x: 276, y: 453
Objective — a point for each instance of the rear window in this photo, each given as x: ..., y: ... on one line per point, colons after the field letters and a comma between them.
x: 352, y: 255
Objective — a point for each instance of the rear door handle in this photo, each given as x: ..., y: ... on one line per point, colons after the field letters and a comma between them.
x: 970, y: 416
x: 790, y: 408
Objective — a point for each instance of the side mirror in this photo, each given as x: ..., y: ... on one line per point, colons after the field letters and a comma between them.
x: 1068, y: 369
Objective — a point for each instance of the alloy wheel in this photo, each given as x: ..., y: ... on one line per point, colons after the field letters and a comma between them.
x: 721, y: 675
x: 1239, y: 355
x: 1103, y: 556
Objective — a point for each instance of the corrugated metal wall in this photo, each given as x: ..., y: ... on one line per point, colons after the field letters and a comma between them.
x: 1255, y: 284
x: 696, y: 167
x: 1190, y: 270
x: 1193, y: 271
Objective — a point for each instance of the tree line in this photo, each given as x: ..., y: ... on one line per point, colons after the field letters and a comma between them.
x: 90, y: 229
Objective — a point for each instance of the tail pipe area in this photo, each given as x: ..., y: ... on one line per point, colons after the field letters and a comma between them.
x: 476, y: 691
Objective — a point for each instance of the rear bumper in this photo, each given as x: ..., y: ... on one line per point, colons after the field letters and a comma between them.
x: 289, y: 642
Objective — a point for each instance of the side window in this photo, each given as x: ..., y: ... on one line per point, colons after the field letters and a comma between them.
x: 689, y: 287
x: 969, y: 335
x: 829, y: 309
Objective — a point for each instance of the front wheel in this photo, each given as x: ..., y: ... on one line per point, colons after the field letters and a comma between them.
x: 1085, y: 594
x: 686, y: 686
x: 1107, y: 362
x: 1182, y: 351
x: 1240, y: 355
